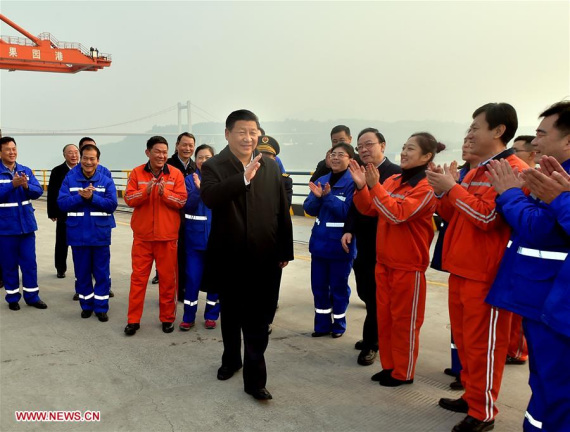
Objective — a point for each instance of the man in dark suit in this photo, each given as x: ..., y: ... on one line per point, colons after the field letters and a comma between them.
x: 71, y: 155
x: 250, y: 240
x: 371, y: 146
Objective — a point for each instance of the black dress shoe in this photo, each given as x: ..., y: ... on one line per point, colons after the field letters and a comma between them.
x: 456, y: 385
x: 514, y: 361
x: 471, y: 424
x: 259, y: 394
x: 14, y: 306
x: 154, y: 280
x: 456, y: 405
x: 167, y: 327
x: 320, y: 334
x: 86, y: 313
x: 39, y: 305
x: 111, y: 293
x: 449, y: 371
x: 131, y: 329
x: 226, y: 372
x: 76, y: 297
x: 337, y: 335
x: 387, y: 380
x: 102, y: 316
x: 366, y: 357
x: 378, y: 376
x: 359, y: 345
x: 61, y: 275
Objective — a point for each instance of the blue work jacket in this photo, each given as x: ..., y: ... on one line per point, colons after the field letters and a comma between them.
x: 536, y: 251
x: 16, y: 210
x: 89, y: 222
x: 197, y: 217
x: 331, y: 212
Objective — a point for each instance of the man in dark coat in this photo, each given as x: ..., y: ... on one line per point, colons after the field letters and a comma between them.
x: 250, y: 240
x: 371, y: 146
x: 71, y: 155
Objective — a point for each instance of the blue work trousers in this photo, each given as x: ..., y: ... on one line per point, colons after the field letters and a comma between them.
x: 329, y: 282
x: 19, y: 251
x: 549, y: 380
x: 92, y: 262
x: 194, y: 271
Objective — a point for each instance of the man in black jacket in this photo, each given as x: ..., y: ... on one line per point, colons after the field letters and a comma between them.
x: 371, y: 146
x: 250, y: 240
x: 71, y: 155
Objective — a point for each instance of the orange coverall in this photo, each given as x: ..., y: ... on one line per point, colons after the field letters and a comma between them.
x: 473, y: 246
x: 155, y: 223
x: 404, y: 234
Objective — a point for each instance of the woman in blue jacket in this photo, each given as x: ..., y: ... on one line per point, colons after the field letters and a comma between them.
x: 197, y: 222
x: 329, y: 200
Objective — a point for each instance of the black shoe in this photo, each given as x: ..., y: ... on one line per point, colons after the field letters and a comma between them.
x: 86, y: 313
x: 471, y: 424
x: 456, y: 405
x: 39, y: 305
x: 259, y: 394
x: 103, y: 317
x: 456, y: 385
x: 366, y: 357
x: 320, y: 334
x: 76, y: 297
x: 387, y: 380
x: 14, y: 306
x: 337, y: 335
x: 514, y: 361
x: 378, y: 376
x: 449, y: 371
x: 167, y: 327
x: 359, y: 345
x: 154, y: 280
x: 226, y: 372
x: 60, y: 275
x: 131, y: 329
x: 111, y: 293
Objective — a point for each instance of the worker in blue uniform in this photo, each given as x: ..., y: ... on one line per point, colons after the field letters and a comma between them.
x: 329, y: 200
x: 90, y: 198
x: 18, y: 187
x: 532, y: 273
x: 197, y: 223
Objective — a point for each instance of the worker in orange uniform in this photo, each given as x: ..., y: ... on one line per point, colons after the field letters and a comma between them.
x: 404, y: 204
x: 480, y: 331
x: 157, y: 193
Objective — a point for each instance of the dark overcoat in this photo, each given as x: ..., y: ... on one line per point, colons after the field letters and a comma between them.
x: 251, y: 225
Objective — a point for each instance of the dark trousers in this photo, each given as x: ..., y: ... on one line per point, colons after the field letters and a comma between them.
x: 246, y: 310
x: 275, y: 294
x: 61, y: 247
x: 364, y: 274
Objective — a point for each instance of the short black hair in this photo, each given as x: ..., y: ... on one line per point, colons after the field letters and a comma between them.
x: 205, y: 147
x: 500, y: 114
x: 428, y: 143
x: 6, y: 140
x: 82, y: 140
x: 346, y: 147
x: 340, y: 128
x: 562, y: 123
x: 185, y: 134
x: 238, y: 115
x: 90, y: 147
x: 527, y: 141
x: 157, y: 139
x: 374, y: 131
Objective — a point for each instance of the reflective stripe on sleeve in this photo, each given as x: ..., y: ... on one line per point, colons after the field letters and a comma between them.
x: 75, y: 189
x: 193, y: 217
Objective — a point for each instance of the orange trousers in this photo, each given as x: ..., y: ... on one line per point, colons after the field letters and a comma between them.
x: 143, y: 254
x: 400, y: 302
x: 481, y: 334
x: 517, y: 341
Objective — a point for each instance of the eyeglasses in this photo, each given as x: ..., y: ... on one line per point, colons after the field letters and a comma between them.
x: 338, y: 155
x: 367, y: 145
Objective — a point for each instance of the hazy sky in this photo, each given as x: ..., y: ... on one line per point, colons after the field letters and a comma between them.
x: 302, y: 60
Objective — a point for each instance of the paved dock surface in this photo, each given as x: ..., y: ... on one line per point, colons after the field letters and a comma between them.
x: 52, y: 360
